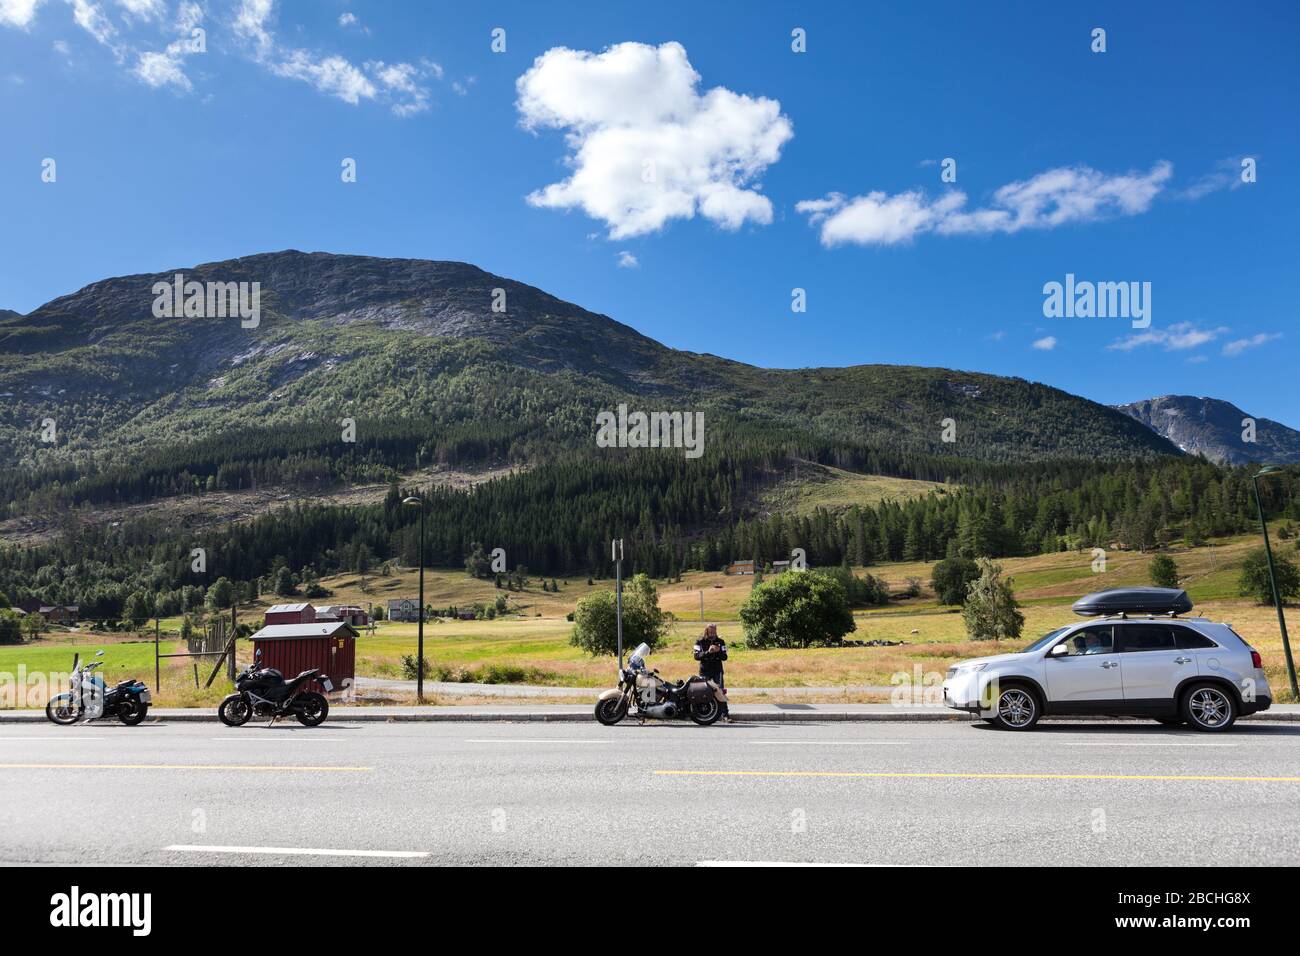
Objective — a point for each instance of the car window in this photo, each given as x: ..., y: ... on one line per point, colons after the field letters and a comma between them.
x: 1098, y: 639
x: 1147, y: 637
x: 1189, y: 640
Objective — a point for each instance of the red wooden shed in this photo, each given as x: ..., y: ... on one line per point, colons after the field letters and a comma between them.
x: 294, y: 648
x: 290, y: 614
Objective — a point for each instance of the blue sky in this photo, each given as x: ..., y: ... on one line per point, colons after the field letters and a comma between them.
x: 771, y: 170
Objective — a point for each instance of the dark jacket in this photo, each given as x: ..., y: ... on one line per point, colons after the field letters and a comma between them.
x: 710, y: 661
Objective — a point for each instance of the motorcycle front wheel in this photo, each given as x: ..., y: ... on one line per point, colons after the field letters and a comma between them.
x: 706, y: 712
x: 235, y: 711
x: 59, y: 710
x: 131, y: 711
x: 312, y: 709
x: 611, y: 711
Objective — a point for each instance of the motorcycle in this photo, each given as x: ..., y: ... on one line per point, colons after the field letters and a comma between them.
x: 263, y: 692
x: 647, y: 696
x: 90, y: 698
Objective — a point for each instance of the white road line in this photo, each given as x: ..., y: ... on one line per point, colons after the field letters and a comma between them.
x: 277, y: 739
x: 297, y: 851
x: 719, y: 863
x: 830, y: 743
x: 531, y: 740
x: 1144, y: 743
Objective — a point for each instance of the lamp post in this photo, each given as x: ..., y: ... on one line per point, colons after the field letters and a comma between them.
x: 1272, y: 579
x: 616, y: 552
x: 416, y: 502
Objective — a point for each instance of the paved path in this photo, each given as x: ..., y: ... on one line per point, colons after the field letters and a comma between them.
x: 378, y: 684
x: 409, y: 794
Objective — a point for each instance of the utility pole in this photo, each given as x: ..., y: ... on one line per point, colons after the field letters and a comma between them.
x: 701, y: 605
x: 1272, y: 580
x: 616, y: 553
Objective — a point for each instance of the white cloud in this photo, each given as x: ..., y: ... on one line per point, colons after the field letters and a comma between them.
x: 91, y: 18
x: 161, y: 69
x: 627, y: 261
x: 399, y: 84
x: 251, y: 22
x: 1176, y: 338
x: 144, y: 9
x: 166, y: 68
x: 1053, y: 198
x: 644, y: 144
x: 1237, y: 346
x: 1225, y: 175
x: 333, y: 75
x: 18, y: 13
x: 348, y: 19
x: 1046, y: 343
x: 61, y: 47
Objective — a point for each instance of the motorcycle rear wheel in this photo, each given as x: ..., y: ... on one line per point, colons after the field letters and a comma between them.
x: 235, y: 711
x: 314, y: 708
x: 132, y: 711
x: 59, y: 710
x: 611, y: 711
x: 706, y: 712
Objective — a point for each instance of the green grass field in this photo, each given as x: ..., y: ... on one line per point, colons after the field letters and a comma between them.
x: 531, y: 644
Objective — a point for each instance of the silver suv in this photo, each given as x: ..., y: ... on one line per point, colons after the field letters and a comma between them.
x: 1176, y: 670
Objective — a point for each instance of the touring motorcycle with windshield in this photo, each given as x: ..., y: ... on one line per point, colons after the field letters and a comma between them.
x: 90, y: 698
x: 645, y: 695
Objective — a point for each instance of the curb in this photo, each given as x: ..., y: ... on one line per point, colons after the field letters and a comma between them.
x: 787, y: 717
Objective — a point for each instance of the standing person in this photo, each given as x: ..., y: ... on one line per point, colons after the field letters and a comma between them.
x: 711, y: 651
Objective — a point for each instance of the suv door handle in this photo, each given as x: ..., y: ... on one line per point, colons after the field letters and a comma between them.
x: 1182, y: 660
x: 1110, y: 663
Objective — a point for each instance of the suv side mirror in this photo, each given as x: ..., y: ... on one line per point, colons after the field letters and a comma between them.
x: 1060, y: 650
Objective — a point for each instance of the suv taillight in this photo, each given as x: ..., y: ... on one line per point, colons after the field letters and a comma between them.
x: 1255, y: 659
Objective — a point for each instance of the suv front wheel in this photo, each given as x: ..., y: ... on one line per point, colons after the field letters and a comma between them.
x: 1209, y: 707
x: 1017, y: 708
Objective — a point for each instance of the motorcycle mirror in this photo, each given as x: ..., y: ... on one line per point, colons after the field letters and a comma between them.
x: 99, y: 653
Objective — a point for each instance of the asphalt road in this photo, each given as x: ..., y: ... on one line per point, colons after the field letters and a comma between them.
x: 453, y: 793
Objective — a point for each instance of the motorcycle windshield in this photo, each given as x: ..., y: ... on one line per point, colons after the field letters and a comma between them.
x: 640, y: 654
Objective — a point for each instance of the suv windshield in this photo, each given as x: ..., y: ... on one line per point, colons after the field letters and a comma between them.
x: 1044, y: 640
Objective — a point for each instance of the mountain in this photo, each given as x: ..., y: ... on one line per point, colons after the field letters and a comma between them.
x: 415, y: 351
x: 6, y: 314
x: 1215, y: 429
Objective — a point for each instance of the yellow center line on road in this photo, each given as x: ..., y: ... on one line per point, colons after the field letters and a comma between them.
x: 972, y: 776
x: 180, y: 766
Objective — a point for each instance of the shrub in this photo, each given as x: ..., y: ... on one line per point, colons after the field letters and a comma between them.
x: 595, y: 620
x: 1254, y: 577
x: 11, y: 628
x: 797, y: 609
x: 1163, y: 571
x: 991, y: 611
x: 952, y: 577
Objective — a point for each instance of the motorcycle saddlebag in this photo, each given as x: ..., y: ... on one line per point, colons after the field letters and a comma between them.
x: 698, y: 689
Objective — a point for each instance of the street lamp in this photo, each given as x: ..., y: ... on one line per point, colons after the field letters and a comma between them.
x: 1272, y: 579
x: 416, y: 502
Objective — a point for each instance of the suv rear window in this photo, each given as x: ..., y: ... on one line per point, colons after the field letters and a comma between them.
x: 1189, y: 640
x: 1146, y: 637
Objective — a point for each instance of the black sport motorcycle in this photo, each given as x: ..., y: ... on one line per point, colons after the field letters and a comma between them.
x: 647, y: 696
x: 90, y: 698
x: 263, y: 692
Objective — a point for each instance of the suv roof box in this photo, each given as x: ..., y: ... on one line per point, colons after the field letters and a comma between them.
x: 1134, y: 601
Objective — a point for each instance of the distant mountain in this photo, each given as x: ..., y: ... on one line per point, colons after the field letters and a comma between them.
x: 448, y: 345
x: 6, y: 314
x: 1215, y: 429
